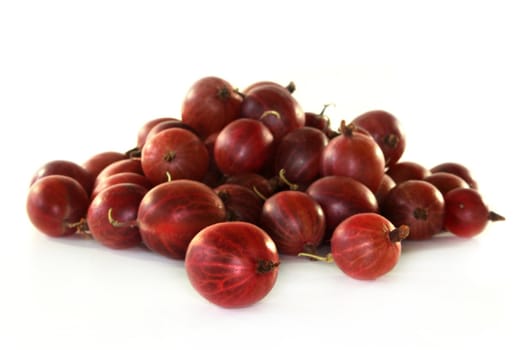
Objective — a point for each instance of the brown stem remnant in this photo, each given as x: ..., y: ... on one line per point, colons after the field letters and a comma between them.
x: 346, y: 130
x: 391, y: 140
x: 399, y: 233
x: 223, y: 93
x: 495, y: 216
x: 265, y: 266
x: 168, y: 157
x: 290, y: 87
x: 420, y: 214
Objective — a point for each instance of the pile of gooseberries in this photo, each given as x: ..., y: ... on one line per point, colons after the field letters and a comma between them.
x: 244, y: 176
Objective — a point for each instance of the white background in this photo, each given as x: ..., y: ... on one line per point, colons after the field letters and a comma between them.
x: 81, y: 77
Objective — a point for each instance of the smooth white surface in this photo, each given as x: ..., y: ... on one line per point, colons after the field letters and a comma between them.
x: 78, y: 78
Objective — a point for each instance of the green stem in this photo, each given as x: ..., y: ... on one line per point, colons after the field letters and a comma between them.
x: 115, y: 223
x: 328, y: 258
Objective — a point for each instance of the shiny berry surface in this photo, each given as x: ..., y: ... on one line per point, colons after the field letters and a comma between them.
x: 232, y: 264
x: 466, y: 214
x: 366, y: 246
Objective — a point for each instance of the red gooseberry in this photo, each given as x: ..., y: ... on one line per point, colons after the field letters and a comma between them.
x: 354, y: 154
x: 232, y: 264
x: 112, y: 214
x: 173, y: 212
x: 466, y: 214
x: 365, y: 246
x: 294, y: 220
x: 418, y: 204
x: 386, y: 131
x: 209, y: 105
x: 56, y: 205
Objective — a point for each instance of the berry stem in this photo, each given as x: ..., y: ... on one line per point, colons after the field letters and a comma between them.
x: 328, y: 258
x: 399, y: 233
x: 133, y: 153
x: 117, y: 223
x: 290, y: 87
x: 269, y: 113
x: 258, y: 193
x: 238, y: 92
x: 325, y: 106
x: 495, y: 216
x: 287, y: 182
x: 81, y: 226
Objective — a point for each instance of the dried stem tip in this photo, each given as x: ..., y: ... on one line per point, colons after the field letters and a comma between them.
x: 345, y: 129
x: 290, y: 87
x: 264, y: 266
x: 399, y: 233
x: 495, y: 217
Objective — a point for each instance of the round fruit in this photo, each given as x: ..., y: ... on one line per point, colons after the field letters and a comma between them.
x: 131, y: 165
x: 356, y: 155
x: 56, y: 204
x: 120, y: 178
x: 320, y: 121
x: 66, y: 168
x: 386, y: 131
x: 255, y: 182
x: 213, y: 177
x: 418, y: 204
x: 112, y: 215
x: 445, y: 182
x: 243, y: 146
x: 404, y: 171
x: 96, y: 163
x: 173, y: 154
x: 466, y: 214
x: 366, y: 246
x: 232, y: 264
x: 172, y: 213
x: 456, y: 169
x: 275, y: 107
x: 209, y: 105
x: 295, y: 221
x: 384, y: 187
x: 299, y: 154
x: 143, y: 134
x: 290, y: 87
x: 168, y: 124
x: 242, y: 203
x: 341, y: 197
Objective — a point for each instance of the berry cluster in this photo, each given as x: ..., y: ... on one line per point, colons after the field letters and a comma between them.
x: 247, y: 175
